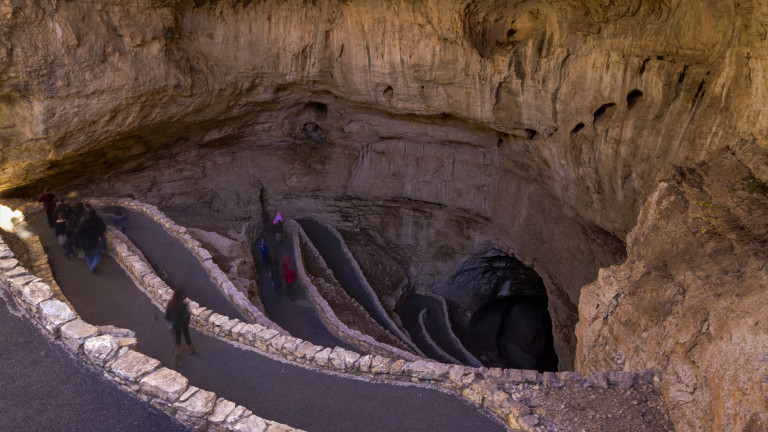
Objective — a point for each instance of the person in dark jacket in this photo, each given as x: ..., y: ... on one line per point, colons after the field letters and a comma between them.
x: 178, y: 314
x: 61, y: 235
x: 61, y: 207
x: 76, y: 211
x: 102, y: 225
x: 47, y: 198
x: 277, y: 227
x: 87, y: 238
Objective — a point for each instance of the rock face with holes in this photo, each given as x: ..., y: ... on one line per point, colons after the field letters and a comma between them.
x: 442, y: 129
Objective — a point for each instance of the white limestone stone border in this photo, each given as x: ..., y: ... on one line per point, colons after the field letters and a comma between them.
x: 495, y: 389
x: 392, y: 327
x: 113, y: 351
x: 447, y: 322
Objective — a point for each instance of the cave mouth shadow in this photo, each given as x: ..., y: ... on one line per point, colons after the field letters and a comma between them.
x: 512, y: 327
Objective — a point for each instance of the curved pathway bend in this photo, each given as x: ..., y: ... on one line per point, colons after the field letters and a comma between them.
x: 436, y: 328
x: 171, y: 261
x: 297, y: 316
x: 330, y: 248
x: 297, y: 396
x: 45, y: 388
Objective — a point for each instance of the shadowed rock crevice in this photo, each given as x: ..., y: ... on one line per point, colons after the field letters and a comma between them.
x: 633, y: 97
x: 605, y: 111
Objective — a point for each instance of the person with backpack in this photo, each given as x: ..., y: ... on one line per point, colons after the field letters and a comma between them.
x: 61, y: 207
x: 177, y: 312
x: 102, y: 226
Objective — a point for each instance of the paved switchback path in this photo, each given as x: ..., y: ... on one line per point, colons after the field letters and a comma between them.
x: 437, y: 327
x: 279, y: 391
x: 298, y: 317
x: 44, y: 388
x: 176, y: 264
x: 330, y: 249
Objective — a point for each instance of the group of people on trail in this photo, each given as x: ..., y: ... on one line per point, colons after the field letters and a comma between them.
x: 271, y: 262
x: 77, y: 226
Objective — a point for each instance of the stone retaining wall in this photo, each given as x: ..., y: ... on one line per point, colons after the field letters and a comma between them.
x: 513, y: 395
x: 112, y: 350
x: 39, y: 266
x: 451, y: 334
x: 363, y: 342
x: 219, y: 278
x: 521, y: 398
x: 392, y: 327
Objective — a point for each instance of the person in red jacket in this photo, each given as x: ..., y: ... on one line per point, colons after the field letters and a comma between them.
x: 47, y: 198
x: 290, y: 275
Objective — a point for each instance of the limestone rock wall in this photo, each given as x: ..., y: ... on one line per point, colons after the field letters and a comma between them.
x: 538, y: 127
x: 690, y: 301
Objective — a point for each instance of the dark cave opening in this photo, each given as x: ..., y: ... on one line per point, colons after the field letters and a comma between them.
x: 633, y: 97
x: 577, y: 128
x: 510, y: 326
x: 601, y: 112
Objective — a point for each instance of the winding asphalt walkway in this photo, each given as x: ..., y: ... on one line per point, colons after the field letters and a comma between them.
x: 155, y: 243
x: 44, y: 388
x: 277, y: 390
x: 330, y: 249
x: 436, y: 327
x: 298, y: 317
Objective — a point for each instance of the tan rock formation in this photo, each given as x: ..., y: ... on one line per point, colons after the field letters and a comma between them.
x: 690, y: 302
x: 446, y: 127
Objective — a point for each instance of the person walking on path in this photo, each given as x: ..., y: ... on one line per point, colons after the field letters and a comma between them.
x: 101, y: 223
x: 264, y: 251
x: 73, y: 224
x: 61, y: 235
x: 274, y: 274
x: 61, y: 207
x: 118, y: 217
x: 277, y: 226
x: 178, y: 314
x: 47, y: 198
x: 290, y: 275
x: 87, y: 238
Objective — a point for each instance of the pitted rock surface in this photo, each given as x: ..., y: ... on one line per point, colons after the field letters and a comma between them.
x: 165, y: 384
x: 74, y: 333
x: 132, y: 365
x: 100, y: 349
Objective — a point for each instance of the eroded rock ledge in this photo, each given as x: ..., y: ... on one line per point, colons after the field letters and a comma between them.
x: 538, y: 128
x: 690, y: 301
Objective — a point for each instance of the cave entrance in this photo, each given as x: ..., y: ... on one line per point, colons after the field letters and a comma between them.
x: 509, y: 324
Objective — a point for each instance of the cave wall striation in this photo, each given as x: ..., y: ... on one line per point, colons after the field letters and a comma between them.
x: 443, y: 128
